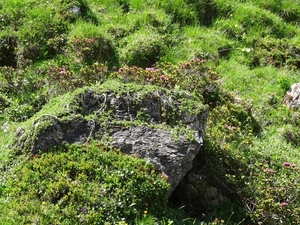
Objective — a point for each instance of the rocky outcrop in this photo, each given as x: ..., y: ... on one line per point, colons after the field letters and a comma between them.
x: 292, y: 96
x: 164, y: 127
x: 173, y: 157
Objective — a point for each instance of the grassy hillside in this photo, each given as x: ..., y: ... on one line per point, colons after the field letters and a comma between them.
x: 238, y: 57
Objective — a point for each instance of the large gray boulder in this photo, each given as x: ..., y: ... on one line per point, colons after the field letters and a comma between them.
x: 164, y: 127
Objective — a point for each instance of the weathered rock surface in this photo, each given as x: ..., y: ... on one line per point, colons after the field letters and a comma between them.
x: 54, y: 132
x: 166, y: 128
x: 173, y: 158
x: 292, y: 96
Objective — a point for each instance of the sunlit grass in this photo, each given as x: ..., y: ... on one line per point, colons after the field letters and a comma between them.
x: 197, y: 42
x: 255, y: 85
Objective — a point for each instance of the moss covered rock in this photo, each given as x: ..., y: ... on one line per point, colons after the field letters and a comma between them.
x: 164, y: 127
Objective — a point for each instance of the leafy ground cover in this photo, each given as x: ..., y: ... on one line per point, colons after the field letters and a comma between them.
x: 239, y: 57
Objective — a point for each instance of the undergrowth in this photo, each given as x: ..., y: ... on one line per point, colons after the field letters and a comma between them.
x: 83, y: 185
x: 239, y: 57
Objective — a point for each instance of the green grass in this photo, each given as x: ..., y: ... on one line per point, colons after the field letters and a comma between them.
x: 248, y: 55
x: 197, y: 42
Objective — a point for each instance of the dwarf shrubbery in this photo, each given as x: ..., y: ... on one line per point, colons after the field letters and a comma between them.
x: 84, y: 184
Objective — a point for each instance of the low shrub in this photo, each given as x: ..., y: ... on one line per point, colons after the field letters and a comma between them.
x: 65, y: 79
x: 90, y: 49
x: 22, y: 92
x: 194, y: 76
x: 274, y: 194
x: 84, y: 184
x: 57, y: 45
x: 230, y: 131
x: 275, y: 52
x: 16, y: 82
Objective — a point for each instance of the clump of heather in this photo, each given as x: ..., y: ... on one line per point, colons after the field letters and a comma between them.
x: 274, y: 199
x: 194, y: 76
